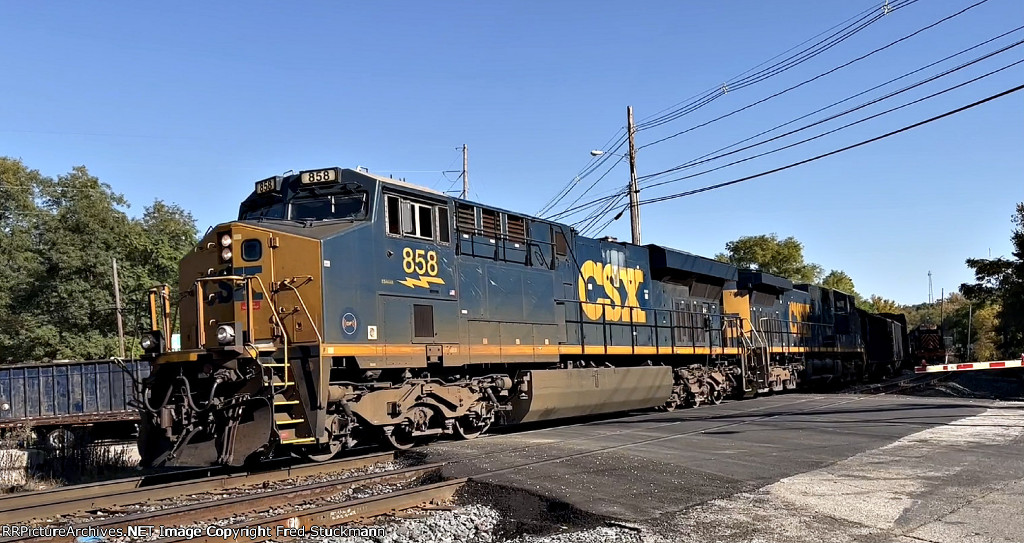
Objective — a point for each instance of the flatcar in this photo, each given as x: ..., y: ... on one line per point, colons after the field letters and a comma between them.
x: 342, y: 308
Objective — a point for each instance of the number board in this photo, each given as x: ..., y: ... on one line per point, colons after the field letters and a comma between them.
x: 319, y: 176
x: 269, y: 184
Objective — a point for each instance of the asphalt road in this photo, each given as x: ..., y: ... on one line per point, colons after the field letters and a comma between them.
x: 795, y: 467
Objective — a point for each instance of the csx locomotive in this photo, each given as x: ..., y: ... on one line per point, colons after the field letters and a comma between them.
x: 343, y: 308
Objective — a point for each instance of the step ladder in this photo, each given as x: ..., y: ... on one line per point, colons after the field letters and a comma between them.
x: 276, y: 375
x: 757, y: 355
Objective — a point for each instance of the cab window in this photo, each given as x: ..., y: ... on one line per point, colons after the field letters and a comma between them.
x: 419, y: 220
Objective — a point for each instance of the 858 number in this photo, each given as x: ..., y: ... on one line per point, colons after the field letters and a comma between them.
x: 419, y: 261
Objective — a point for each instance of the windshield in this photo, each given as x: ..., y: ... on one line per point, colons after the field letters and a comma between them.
x: 329, y: 207
x: 272, y: 211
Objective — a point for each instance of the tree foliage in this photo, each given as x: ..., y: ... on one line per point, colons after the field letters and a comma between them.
x: 878, y: 304
x: 58, y: 238
x: 768, y: 253
x: 1000, y: 284
x: 839, y: 280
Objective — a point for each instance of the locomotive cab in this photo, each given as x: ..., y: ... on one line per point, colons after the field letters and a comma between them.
x: 250, y: 295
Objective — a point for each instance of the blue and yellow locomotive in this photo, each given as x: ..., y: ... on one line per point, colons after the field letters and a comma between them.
x: 343, y: 308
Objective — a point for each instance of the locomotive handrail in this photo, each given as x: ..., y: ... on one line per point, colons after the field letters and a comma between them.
x: 164, y: 292
x: 504, y: 237
x: 686, y: 330
x: 284, y: 332
x: 303, y: 304
x: 700, y: 334
x: 201, y: 329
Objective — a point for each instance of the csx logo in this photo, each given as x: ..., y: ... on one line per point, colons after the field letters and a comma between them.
x: 614, y: 281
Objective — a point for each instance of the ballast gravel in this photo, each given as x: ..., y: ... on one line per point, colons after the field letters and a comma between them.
x: 477, y: 524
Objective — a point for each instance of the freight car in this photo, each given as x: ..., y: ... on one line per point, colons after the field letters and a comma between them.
x: 61, y: 401
x: 343, y: 308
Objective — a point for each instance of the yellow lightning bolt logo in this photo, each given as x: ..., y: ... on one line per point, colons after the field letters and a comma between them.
x: 422, y: 281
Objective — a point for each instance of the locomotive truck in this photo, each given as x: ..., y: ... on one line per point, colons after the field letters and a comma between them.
x: 342, y: 308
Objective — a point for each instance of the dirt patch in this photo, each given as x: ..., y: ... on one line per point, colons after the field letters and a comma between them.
x: 524, y: 513
x: 987, y: 384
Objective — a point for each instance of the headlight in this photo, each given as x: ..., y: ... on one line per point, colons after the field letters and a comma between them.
x: 225, y: 255
x: 5, y: 406
x: 225, y: 240
x: 225, y: 334
x: 149, y: 342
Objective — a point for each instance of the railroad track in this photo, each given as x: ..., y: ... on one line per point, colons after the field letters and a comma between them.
x: 899, y: 385
x: 109, y: 495
x: 280, y: 514
x: 257, y: 510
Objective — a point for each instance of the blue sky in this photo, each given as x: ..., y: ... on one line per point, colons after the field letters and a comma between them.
x: 193, y: 105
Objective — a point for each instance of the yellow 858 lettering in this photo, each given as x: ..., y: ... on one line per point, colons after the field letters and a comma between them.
x: 419, y: 261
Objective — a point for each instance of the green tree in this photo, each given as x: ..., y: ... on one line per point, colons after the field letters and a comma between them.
x: 1001, y: 281
x: 839, y: 280
x: 62, y: 304
x: 768, y: 253
x: 878, y: 304
x: 19, y: 259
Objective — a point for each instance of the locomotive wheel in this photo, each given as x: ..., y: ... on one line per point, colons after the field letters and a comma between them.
x: 715, y: 396
x: 400, y: 438
x: 465, y: 428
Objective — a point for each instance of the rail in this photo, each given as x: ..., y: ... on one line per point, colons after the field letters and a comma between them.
x: 25, y: 507
x: 295, y: 503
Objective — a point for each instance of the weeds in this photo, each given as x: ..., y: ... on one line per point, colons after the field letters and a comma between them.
x: 88, y: 463
x: 23, y: 467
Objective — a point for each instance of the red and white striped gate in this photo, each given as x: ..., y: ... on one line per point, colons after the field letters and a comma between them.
x: 971, y: 366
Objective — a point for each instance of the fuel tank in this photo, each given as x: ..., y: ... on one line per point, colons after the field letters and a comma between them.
x: 555, y: 394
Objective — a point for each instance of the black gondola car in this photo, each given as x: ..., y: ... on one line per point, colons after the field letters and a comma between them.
x: 60, y: 399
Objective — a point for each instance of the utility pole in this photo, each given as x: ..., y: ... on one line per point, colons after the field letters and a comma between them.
x: 942, y: 326
x: 117, y: 307
x: 465, y: 172
x: 970, y: 317
x: 634, y: 190
x: 942, y: 309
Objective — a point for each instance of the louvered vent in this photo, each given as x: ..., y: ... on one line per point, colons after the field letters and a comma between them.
x: 516, y: 229
x: 489, y: 223
x: 465, y: 217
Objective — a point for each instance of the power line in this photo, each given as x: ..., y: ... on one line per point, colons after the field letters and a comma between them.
x: 819, y: 76
x: 705, y: 98
x: 712, y: 156
x: 836, y: 151
x: 592, y: 203
x: 863, y: 20
x: 592, y: 166
x: 823, y: 134
x: 876, y: 115
x: 607, y: 155
x: 656, y: 114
